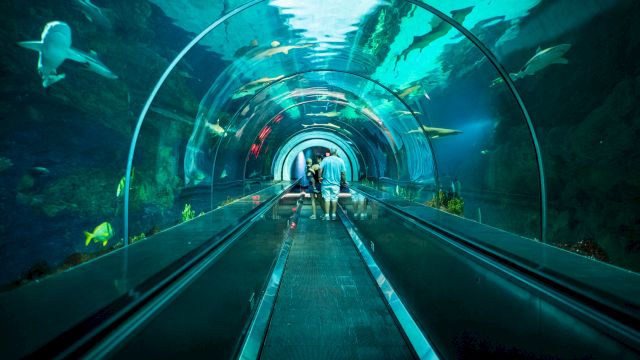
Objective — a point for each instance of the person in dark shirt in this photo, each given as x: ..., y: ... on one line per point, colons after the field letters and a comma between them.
x: 314, y: 184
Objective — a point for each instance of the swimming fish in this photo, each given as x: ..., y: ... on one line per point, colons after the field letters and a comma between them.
x: 325, y: 114
x: 408, y: 91
x: 484, y: 152
x: 224, y: 174
x: 216, y: 129
x: 254, y: 173
x: 39, y: 171
x: 102, y: 233
x: 542, y: 59
x: 439, y: 28
x: 55, y: 47
x: 261, y: 81
x: 280, y: 50
x: 122, y: 182
x: 327, y: 124
x: 407, y: 113
x: 275, y: 43
x: 93, y: 13
x: 245, y: 110
x: 434, y: 132
x: 252, y: 87
x: 497, y: 81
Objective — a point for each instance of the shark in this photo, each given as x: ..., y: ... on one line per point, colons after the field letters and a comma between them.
x: 280, y: 50
x: 439, y: 28
x: 434, y: 132
x: 542, y: 59
x: 252, y: 87
x: 408, y: 91
x: 55, y: 47
x: 93, y: 13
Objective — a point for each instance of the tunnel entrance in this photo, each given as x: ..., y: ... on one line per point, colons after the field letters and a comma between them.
x: 288, y: 155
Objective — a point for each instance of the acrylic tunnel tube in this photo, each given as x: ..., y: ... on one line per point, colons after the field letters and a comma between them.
x: 408, y: 136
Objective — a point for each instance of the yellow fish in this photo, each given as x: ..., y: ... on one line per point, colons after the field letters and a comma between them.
x: 102, y: 233
x: 123, y: 181
x: 280, y: 50
x: 216, y: 129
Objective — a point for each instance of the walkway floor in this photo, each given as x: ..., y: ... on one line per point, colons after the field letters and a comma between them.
x: 328, y: 306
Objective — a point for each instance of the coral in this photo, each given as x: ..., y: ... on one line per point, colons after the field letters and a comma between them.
x: 136, y: 238
x: 229, y: 200
x: 586, y: 247
x: 456, y: 206
x: 447, y: 202
x: 187, y: 213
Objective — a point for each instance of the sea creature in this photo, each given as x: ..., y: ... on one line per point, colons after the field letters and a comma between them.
x: 321, y: 93
x: 484, y: 152
x: 434, y: 132
x: 245, y: 110
x: 407, y: 113
x: 408, y: 91
x: 439, y: 28
x: 93, y: 13
x: 122, y: 183
x: 542, y: 59
x: 224, y: 174
x: 216, y: 129
x: 245, y: 49
x: 327, y: 124
x: 280, y: 50
x: 55, y: 48
x: 254, y: 173
x: 325, y: 114
x: 275, y: 43
x: 39, y: 171
x: 497, y: 81
x: 259, y: 82
x: 102, y: 233
x: 252, y: 87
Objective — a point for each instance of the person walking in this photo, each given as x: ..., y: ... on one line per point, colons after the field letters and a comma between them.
x: 314, y: 184
x: 332, y: 174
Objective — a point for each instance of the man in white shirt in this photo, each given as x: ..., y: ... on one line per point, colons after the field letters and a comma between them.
x: 332, y: 174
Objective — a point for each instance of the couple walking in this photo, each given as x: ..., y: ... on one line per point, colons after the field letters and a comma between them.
x: 330, y: 172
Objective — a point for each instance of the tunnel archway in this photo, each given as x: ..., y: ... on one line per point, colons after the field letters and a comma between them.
x: 288, y: 152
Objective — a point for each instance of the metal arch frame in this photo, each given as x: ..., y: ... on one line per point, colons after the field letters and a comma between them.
x: 487, y: 53
x: 514, y: 91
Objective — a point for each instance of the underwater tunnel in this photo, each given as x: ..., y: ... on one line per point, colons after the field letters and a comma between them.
x: 156, y: 198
